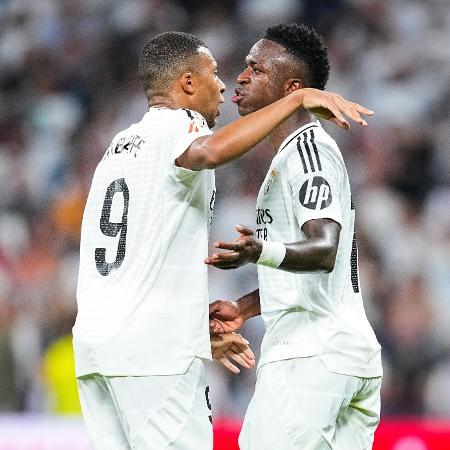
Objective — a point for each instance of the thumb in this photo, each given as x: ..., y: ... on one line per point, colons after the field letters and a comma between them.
x: 246, y: 231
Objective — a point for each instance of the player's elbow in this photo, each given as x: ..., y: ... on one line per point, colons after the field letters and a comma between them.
x: 328, y: 259
x: 328, y: 266
x: 211, y: 160
x: 201, y: 156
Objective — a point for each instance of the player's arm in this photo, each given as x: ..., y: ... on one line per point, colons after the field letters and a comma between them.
x: 317, y: 253
x: 226, y: 347
x: 226, y: 316
x: 238, y: 137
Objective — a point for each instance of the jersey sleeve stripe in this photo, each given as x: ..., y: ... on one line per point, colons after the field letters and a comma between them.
x: 300, y: 152
x: 316, y: 152
x: 306, y: 145
x: 308, y: 152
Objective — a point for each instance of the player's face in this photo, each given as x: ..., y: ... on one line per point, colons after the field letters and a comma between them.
x: 210, y: 88
x: 262, y: 80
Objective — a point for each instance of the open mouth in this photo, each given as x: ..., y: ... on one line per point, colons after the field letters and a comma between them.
x: 237, y: 97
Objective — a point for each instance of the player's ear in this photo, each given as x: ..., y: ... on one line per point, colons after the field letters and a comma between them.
x: 292, y: 84
x: 187, y: 83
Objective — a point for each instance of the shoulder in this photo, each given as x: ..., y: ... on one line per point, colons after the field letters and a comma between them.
x: 312, y: 147
x: 311, y: 151
x: 193, y: 115
x: 181, y: 120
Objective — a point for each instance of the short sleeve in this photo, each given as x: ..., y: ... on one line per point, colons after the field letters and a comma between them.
x: 316, y: 177
x: 191, y: 125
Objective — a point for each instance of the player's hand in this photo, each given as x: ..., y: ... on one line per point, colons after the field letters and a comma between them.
x: 224, y: 317
x: 232, y: 346
x: 243, y: 250
x: 332, y: 107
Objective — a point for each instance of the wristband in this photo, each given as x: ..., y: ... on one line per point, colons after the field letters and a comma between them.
x: 272, y: 254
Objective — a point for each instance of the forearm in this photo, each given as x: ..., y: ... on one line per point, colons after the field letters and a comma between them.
x: 249, y: 305
x: 309, y: 256
x: 317, y: 253
x: 240, y: 136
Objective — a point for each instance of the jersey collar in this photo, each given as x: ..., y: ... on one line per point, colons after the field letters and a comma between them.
x: 297, y: 132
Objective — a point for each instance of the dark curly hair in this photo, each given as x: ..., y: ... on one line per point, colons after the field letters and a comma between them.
x: 164, y: 57
x: 306, y: 45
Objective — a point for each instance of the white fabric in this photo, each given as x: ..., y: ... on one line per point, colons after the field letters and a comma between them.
x: 272, y: 254
x: 313, y: 313
x: 147, y: 314
x: 147, y: 413
x: 299, y: 405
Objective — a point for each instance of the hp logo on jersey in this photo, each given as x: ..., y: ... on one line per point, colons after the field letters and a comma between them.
x: 315, y: 193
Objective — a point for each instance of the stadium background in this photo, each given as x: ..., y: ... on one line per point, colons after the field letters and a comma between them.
x: 68, y: 84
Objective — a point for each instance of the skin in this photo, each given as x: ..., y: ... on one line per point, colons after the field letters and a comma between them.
x: 270, y: 74
x: 232, y: 346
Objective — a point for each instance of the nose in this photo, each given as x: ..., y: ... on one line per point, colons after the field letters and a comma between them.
x: 244, y: 76
x: 222, y: 87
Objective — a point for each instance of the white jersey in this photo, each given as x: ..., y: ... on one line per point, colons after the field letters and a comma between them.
x: 142, y: 287
x: 313, y: 313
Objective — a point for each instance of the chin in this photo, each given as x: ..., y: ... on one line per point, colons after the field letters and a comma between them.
x: 244, y: 111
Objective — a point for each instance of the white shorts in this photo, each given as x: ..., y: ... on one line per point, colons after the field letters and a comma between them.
x: 148, y: 413
x: 299, y: 404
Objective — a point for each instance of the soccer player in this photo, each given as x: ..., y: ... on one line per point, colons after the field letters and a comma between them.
x: 142, y: 327
x: 319, y: 376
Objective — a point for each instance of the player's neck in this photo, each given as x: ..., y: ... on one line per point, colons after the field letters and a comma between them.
x: 171, y: 100
x: 161, y: 102
x: 288, y: 127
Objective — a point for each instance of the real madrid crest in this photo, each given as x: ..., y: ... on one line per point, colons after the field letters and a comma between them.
x: 269, y: 182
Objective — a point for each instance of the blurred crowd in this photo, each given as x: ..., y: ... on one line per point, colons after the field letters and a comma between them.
x: 68, y: 83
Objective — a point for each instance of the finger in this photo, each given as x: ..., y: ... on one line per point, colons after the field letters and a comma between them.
x: 233, y: 246
x: 220, y: 326
x: 228, y: 256
x: 363, y: 110
x: 351, y: 110
x: 237, y: 338
x: 237, y: 342
x: 244, y: 230
x: 341, y: 124
x: 355, y: 106
x: 217, y: 258
x: 244, y: 351
x: 229, y: 365
x: 242, y: 359
x: 237, y: 357
x: 216, y: 327
x: 338, y: 118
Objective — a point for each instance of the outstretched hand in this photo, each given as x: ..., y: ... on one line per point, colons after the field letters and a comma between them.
x: 232, y: 346
x: 332, y: 107
x: 243, y: 250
